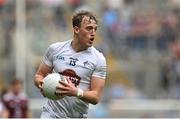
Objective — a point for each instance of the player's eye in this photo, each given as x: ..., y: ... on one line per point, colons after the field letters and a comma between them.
x: 89, y: 28
x: 95, y: 29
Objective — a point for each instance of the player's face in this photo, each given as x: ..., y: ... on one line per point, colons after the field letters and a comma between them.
x: 87, y: 32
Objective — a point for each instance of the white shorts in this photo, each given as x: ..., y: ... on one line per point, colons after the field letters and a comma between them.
x: 46, y: 114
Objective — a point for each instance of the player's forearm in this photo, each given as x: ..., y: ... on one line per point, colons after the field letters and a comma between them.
x: 91, y: 97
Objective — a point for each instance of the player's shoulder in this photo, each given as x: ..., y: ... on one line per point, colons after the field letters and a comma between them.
x: 59, y: 44
x: 97, y: 53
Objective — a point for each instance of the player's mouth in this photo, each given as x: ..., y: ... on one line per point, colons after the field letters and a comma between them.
x: 91, y: 39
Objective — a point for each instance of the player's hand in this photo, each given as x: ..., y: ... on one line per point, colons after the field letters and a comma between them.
x: 38, y: 81
x: 66, y: 89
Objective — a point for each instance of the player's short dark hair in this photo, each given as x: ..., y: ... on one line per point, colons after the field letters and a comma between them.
x: 78, y: 16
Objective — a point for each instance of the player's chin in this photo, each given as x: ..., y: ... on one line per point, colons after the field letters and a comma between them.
x: 89, y: 44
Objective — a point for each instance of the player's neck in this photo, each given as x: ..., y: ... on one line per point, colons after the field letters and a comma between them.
x: 76, y: 46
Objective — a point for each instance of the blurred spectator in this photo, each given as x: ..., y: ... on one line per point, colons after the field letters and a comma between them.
x: 169, y: 31
x: 138, y: 37
x: 59, y: 17
x: 171, y: 71
x: 74, y: 4
x: 111, y: 24
x: 15, y: 101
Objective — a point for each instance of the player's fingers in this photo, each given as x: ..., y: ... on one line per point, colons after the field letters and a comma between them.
x: 68, y: 80
x: 61, y: 88
x: 61, y: 93
x: 63, y: 83
x: 58, y: 94
x: 40, y: 86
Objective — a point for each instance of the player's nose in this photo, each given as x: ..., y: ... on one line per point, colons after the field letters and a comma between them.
x: 93, y: 33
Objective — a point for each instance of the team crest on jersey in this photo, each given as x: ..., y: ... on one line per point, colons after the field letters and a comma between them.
x: 88, y: 64
x: 71, y: 75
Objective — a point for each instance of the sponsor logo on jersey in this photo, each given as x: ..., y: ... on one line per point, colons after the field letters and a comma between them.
x: 59, y: 57
x: 71, y: 75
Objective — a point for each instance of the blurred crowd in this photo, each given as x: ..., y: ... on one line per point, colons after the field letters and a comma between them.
x: 140, y: 36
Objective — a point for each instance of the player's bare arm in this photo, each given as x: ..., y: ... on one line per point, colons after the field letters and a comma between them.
x: 41, y: 73
x: 92, y: 96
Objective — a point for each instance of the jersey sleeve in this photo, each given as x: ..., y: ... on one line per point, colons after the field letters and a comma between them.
x: 100, y: 70
x: 48, y: 57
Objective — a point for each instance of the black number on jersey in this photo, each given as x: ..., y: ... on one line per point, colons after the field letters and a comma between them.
x: 73, y: 61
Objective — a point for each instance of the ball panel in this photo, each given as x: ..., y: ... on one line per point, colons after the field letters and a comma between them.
x: 51, y: 81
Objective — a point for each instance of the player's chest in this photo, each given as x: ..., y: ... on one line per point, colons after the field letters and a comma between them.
x: 83, y: 64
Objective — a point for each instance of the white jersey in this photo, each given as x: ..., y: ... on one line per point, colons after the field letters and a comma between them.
x: 79, y: 67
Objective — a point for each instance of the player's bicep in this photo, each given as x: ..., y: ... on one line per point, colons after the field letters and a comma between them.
x: 44, y: 69
x: 97, y: 85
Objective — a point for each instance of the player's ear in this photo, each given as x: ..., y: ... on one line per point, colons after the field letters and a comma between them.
x: 76, y: 29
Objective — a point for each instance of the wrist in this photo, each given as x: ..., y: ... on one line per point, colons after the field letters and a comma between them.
x: 80, y: 93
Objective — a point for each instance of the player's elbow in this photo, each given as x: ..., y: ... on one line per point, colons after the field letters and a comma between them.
x: 95, y: 101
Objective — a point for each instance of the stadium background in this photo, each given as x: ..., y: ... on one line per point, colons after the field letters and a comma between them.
x: 139, y: 38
